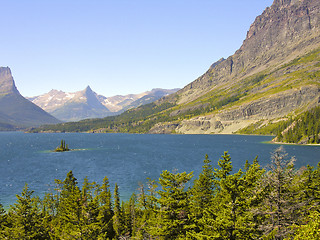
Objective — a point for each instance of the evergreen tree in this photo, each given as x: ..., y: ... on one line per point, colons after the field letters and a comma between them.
x: 225, y: 165
x: 103, y: 198
x: 25, y: 218
x: 280, y: 204
x: 202, y: 193
x: 172, y: 220
x: 90, y: 211
x: 3, y: 221
x: 147, y: 208
x: 130, y: 216
x: 203, y: 188
x: 309, y: 187
x: 229, y: 216
x: 309, y: 230
x: 69, y: 211
x: 117, y: 217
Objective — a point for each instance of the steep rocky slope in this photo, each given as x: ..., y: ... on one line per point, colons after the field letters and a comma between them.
x: 265, y: 78
x: 275, y: 73
x: 287, y: 29
x: 16, y: 111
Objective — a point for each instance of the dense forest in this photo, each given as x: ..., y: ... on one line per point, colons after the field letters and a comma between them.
x: 278, y: 202
x: 303, y: 129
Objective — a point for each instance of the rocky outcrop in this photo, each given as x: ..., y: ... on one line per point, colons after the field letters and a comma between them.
x: 211, y: 125
x: 164, y: 128
x: 16, y: 111
x: 268, y: 108
x: 285, y: 30
x: 7, y: 85
x: 274, y: 106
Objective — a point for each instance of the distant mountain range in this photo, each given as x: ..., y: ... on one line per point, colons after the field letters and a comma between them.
x: 15, y: 111
x: 88, y: 104
x: 273, y: 76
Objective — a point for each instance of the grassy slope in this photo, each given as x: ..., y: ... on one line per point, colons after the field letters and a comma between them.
x: 303, y: 71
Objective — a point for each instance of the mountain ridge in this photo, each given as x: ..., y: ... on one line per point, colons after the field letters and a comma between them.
x: 274, y: 73
x: 86, y: 103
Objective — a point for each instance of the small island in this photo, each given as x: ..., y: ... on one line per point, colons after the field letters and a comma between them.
x: 63, y: 147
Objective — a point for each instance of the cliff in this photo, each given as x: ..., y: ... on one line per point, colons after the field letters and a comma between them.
x: 274, y: 73
x: 16, y: 111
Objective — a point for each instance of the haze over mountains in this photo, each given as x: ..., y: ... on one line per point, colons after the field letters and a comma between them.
x: 275, y: 74
x: 88, y: 104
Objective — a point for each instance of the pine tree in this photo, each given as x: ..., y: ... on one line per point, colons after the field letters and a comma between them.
x: 202, y: 194
x: 3, y: 222
x: 25, y: 218
x: 172, y: 219
x: 89, y: 211
x: 280, y: 204
x: 225, y: 165
x: 310, y: 189
x: 229, y: 216
x: 147, y: 209
x: 203, y: 188
x: 103, y: 198
x: 69, y: 211
x: 309, y: 230
x: 130, y: 216
x: 117, y: 217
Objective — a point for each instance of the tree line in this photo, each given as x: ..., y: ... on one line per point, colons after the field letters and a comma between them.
x: 304, y: 128
x: 276, y: 202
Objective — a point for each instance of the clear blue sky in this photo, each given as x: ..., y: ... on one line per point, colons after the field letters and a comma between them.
x: 119, y: 46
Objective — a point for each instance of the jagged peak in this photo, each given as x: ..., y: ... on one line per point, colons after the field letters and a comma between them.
x: 4, y: 71
x: 88, y: 88
x: 285, y: 2
x: 7, y: 84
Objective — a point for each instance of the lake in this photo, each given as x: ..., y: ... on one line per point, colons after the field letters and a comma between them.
x: 126, y: 159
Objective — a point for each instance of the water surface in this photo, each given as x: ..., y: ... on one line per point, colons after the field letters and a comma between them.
x: 126, y: 159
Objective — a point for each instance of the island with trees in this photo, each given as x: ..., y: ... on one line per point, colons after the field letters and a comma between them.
x: 63, y: 147
x: 276, y: 202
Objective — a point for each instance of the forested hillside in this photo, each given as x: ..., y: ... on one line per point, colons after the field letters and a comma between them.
x: 303, y: 128
x: 279, y: 202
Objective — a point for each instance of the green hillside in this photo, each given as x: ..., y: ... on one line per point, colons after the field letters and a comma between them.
x: 301, y: 72
x: 274, y: 75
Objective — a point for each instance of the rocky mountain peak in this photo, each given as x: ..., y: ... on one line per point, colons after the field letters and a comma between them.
x: 284, y: 31
x: 7, y: 84
x: 283, y: 3
x: 88, y: 89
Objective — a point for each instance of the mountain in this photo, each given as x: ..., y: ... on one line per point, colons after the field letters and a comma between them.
x: 16, y: 111
x: 88, y: 104
x: 71, y: 106
x: 121, y: 103
x: 273, y: 76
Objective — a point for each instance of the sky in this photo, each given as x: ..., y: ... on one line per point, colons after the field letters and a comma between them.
x: 119, y: 47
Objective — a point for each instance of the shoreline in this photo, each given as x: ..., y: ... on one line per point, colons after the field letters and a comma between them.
x: 296, y: 144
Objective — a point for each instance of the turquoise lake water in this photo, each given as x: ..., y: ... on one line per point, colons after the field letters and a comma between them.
x: 126, y: 159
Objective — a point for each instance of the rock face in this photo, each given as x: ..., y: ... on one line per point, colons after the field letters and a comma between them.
x: 88, y: 104
x: 82, y: 105
x: 7, y: 85
x: 274, y: 73
x: 285, y: 31
x: 16, y: 111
